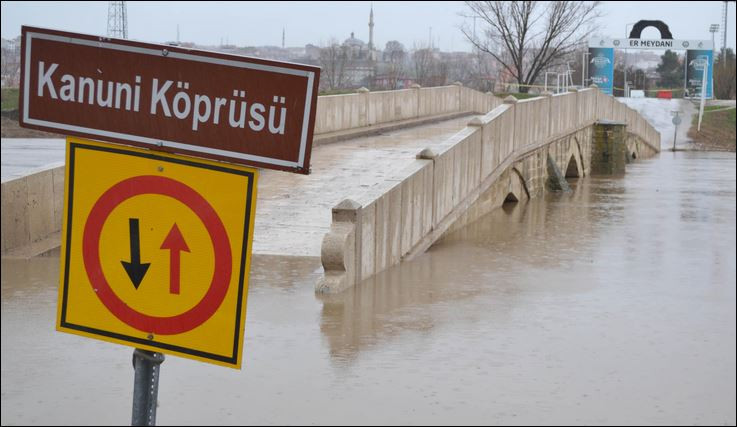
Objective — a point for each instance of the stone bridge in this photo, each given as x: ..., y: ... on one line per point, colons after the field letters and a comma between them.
x: 514, y: 152
x: 393, y: 171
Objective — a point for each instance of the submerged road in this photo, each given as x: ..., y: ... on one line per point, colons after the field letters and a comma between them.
x: 658, y: 113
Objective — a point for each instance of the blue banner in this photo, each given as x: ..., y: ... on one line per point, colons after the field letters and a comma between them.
x: 601, y: 68
x: 695, y: 62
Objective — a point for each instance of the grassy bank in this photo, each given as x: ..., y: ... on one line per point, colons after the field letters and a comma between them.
x: 9, y: 99
x: 717, y: 129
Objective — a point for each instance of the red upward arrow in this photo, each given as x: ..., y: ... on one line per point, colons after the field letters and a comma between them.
x: 175, y: 243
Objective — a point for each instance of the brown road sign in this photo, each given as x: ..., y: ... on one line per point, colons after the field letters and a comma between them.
x: 204, y: 104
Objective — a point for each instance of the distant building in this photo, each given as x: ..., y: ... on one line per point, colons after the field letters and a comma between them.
x: 356, y: 48
x: 361, y: 58
x: 392, y: 82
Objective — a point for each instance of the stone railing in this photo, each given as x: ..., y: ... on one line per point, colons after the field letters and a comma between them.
x: 336, y: 113
x: 405, y: 214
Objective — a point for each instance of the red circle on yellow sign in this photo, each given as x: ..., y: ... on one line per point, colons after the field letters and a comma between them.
x: 149, y: 184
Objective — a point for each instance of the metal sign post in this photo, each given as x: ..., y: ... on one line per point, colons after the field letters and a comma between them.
x: 676, y: 121
x: 147, y: 366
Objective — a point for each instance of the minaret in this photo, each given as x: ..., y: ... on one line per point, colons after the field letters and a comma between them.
x: 371, y: 29
x: 283, y: 32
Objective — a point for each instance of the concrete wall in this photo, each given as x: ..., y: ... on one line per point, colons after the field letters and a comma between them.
x: 501, y: 153
x: 32, y: 212
x: 336, y: 113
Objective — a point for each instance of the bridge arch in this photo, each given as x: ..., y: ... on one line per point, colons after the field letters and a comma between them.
x: 510, y: 198
x: 516, y: 188
x: 575, y: 167
x: 572, y: 168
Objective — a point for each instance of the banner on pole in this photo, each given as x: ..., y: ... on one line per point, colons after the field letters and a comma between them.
x: 696, y: 60
x: 601, y: 64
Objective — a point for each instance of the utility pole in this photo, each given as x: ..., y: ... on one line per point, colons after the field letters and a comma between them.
x: 725, y: 12
x: 713, y: 28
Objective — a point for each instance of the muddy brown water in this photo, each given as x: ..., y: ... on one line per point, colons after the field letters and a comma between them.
x: 614, y: 304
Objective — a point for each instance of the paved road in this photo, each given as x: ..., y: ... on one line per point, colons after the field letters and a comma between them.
x: 23, y: 156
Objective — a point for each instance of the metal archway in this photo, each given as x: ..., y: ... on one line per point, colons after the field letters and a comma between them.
x: 642, y: 24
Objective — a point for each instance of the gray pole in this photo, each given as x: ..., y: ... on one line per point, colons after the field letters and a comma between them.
x: 675, y: 133
x: 625, y: 64
x: 725, y: 6
x: 147, y: 365
x: 625, y: 75
x: 676, y: 121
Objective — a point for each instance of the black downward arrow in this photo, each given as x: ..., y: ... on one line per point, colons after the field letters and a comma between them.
x: 135, y: 269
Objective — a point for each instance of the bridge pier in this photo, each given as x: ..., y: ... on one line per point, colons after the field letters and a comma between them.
x: 609, y: 148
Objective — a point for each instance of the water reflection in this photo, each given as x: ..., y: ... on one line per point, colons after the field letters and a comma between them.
x: 482, y: 258
x: 604, y: 236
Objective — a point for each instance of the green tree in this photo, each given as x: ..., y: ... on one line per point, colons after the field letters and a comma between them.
x: 670, y: 71
x: 724, y: 75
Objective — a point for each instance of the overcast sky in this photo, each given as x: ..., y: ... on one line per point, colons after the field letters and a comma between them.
x: 260, y: 23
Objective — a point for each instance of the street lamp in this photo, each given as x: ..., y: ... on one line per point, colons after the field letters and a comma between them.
x: 584, y: 69
x: 627, y: 36
x: 713, y: 28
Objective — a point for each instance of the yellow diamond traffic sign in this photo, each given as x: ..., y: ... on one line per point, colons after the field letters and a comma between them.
x: 156, y: 250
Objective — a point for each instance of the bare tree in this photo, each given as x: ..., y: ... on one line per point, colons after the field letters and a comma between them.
x: 10, y: 64
x: 460, y: 67
x: 395, y: 56
x: 334, y: 61
x: 423, y: 64
x: 529, y: 37
x: 483, y: 71
x: 724, y: 74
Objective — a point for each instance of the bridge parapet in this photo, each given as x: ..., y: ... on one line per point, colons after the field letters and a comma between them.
x: 338, y: 113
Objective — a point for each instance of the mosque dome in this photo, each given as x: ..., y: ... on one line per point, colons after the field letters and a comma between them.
x: 353, y: 41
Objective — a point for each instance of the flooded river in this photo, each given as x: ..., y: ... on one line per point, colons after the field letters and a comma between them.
x: 614, y: 304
